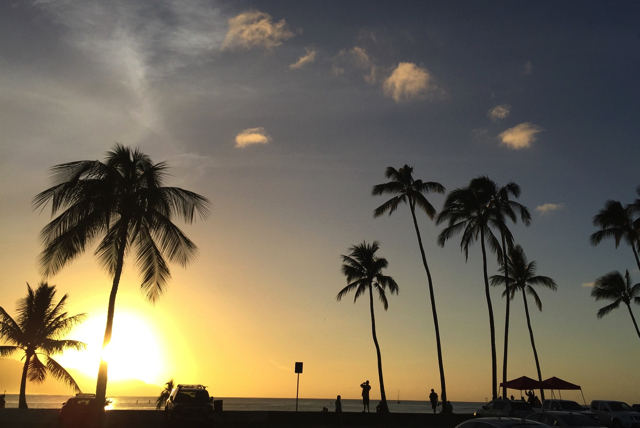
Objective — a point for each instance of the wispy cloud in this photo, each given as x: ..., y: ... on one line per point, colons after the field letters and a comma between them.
x: 307, y: 58
x: 546, y: 209
x: 499, y: 112
x: 360, y: 57
x: 252, y: 136
x: 520, y: 136
x: 255, y: 29
x: 408, y: 82
x: 588, y: 284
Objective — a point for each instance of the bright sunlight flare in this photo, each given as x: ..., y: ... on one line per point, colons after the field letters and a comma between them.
x: 134, y: 351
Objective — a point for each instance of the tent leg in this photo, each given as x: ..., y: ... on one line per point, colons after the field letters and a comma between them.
x: 585, y: 401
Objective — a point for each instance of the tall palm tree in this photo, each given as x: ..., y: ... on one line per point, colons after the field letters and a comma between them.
x: 409, y: 191
x: 123, y: 201
x: 616, y: 221
x: 470, y: 210
x: 164, y: 395
x: 508, y: 208
x: 522, y: 277
x: 363, y: 270
x: 37, y: 331
x: 613, y: 287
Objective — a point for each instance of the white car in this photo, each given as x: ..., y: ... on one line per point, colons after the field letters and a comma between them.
x: 615, y: 414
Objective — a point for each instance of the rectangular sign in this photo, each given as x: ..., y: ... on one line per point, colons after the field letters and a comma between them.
x: 298, y: 367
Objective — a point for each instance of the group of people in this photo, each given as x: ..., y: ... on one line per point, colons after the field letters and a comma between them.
x: 433, y: 398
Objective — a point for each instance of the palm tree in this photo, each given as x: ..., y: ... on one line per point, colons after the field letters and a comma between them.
x: 613, y: 287
x: 508, y: 208
x: 616, y: 221
x: 123, y: 201
x: 164, y: 395
x: 470, y: 210
x: 522, y: 277
x: 37, y: 331
x: 363, y: 270
x: 407, y: 190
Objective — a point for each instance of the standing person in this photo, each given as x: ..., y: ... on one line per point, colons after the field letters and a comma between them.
x: 338, y: 405
x: 433, y: 397
x: 365, y: 395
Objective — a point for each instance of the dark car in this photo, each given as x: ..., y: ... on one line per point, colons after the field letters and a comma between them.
x: 188, y: 403
x: 78, y: 411
x: 501, y: 423
x: 564, y: 419
x: 502, y: 407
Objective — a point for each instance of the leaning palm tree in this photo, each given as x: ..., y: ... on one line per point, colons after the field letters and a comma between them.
x: 363, y: 270
x: 470, y: 210
x: 123, y: 201
x: 164, y: 395
x: 522, y: 277
x: 613, y: 287
x: 37, y: 331
x: 616, y: 221
x: 502, y: 203
x: 411, y: 192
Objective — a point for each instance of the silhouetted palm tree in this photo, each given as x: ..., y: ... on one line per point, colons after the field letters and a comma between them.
x: 363, y: 270
x: 410, y: 191
x: 122, y: 200
x: 469, y: 210
x: 164, y: 395
x: 522, y: 277
x: 508, y: 208
x: 37, y: 331
x: 616, y: 221
x: 613, y: 287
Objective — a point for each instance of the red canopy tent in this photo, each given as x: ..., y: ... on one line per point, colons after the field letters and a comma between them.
x: 521, y: 383
x: 559, y: 384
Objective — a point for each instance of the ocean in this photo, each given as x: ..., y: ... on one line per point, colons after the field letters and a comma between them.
x: 248, y: 404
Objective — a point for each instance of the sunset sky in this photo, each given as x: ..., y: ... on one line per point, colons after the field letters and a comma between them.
x: 285, y: 114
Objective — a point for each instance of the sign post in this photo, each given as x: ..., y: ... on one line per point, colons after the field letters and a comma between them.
x: 298, y: 370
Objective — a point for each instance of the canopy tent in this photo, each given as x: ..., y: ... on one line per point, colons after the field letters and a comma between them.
x: 521, y: 384
x: 559, y: 384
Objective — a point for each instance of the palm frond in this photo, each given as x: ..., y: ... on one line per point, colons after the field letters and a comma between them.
x: 7, y: 350
x: 61, y: 374
x: 37, y: 371
x: 604, y: 311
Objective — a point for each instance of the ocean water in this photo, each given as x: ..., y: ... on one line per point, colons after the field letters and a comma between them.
x: 248, y: 404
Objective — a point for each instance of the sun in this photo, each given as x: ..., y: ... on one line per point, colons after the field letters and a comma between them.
x: 134, y: 351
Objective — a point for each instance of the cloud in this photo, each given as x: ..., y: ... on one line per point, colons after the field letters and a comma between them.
x: 336, y: 71
x: 252, y: 136
x: 407, y: 82
x: 588, y: 284
x: 308, y: 58
x: 520, y: 136
x: 549, y: 208
x: 499, y: 112
x: 360, y: 57
x: 255, y: 29
x: 528, y: 68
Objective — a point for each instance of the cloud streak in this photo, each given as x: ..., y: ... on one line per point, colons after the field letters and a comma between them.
x: 255, y: 29
x: 547, y: 209
x: 520, y: 136
x: 252, y: 136
x: 307, y: 58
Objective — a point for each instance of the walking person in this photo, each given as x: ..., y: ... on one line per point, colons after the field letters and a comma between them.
x: 365, y: 395
x: 433, y: 397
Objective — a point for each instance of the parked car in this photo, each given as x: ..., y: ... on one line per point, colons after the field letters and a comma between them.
x: 615, y: 414
x: 188, y: 403
x: 555, y: 418
x: 498, y: 422
x: 78, y: 411
x: 566, y: 405
x: 502, y: 407
x: 635, y: 407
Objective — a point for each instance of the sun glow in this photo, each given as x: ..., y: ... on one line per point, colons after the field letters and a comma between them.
x: 134, y: 351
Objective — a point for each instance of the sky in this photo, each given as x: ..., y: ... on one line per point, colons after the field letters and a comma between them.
x: 284, y: 114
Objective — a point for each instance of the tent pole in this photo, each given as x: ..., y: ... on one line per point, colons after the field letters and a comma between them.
x: 585, y: 401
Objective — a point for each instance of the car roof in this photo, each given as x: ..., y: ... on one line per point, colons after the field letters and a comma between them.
x: 498, y: 421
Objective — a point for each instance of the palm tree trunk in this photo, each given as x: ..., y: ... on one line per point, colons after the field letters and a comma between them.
x: 101, y: 386
x: 633, y: 319
x: 494, y: 368
x: 533, y: 343
x: 443, y: 393
x: 383, y: 396
x: 506, y: 318
x: 22, y: 400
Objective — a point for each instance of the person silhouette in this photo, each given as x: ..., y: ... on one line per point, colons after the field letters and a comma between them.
x: 338, y: 405
x: 365, y: 395
x: 433, y: 397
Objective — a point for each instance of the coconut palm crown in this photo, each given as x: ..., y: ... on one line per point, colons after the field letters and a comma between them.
x: 363, y: 270
x: 164, y: 395
x: 37, y: 331
x: 406, y: 190
x: 122, y: 202
x: 613, y: 286
x: 616, y: 221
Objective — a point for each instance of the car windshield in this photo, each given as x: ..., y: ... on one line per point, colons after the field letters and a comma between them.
x: 618, y: 406
x: 580, y: 420
x: 193, y: 396
x: 520, y: 405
